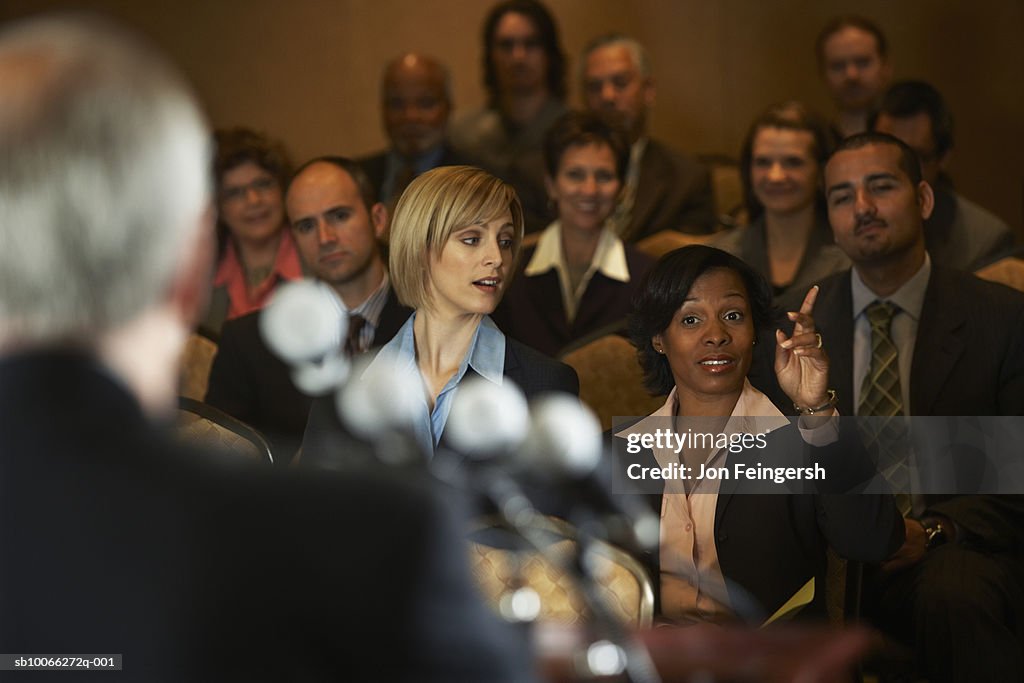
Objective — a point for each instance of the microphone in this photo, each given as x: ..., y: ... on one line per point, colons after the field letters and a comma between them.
x: 487, y: 420
x: 486, y: 425
x: 565, y: 443
x: 381, y: 405
x: 305, y: 328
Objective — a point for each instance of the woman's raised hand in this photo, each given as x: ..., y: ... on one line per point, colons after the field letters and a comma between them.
x: 801, y: 363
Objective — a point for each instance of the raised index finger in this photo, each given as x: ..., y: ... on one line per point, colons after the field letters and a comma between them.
x: 803, y: 319
x: 808, y: 305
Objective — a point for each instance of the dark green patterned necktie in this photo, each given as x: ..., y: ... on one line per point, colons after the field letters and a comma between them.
x: 880, y: 397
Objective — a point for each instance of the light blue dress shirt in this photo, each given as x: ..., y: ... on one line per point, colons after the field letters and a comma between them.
x: 486, y: 355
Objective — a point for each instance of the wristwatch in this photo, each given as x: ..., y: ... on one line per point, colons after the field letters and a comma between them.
x: 935, y: 532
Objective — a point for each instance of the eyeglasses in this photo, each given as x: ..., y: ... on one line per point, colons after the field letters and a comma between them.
x: 237, y: 193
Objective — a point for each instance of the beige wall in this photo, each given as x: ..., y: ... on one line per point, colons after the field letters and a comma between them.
x: 306, y: 70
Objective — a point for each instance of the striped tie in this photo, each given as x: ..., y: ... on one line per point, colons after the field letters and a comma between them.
x: 886, y: 433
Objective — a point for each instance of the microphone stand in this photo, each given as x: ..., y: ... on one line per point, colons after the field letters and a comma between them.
x: 517, y: 513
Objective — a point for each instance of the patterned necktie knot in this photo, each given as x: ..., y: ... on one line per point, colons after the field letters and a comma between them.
x: 879, y: 314
x: 353, y: 339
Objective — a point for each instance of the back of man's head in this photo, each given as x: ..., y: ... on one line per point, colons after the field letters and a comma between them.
x: 103, y: 179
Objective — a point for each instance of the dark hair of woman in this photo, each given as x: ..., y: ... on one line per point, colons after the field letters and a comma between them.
x: 577, y: 129
x: 663, y: 291
x: 236, y: 146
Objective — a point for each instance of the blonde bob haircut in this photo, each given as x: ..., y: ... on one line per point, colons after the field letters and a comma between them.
x: 434, y: 205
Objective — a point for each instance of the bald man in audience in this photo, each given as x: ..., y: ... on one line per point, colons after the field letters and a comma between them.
x: 959, y: 233
x: 116, y: 539
x: 853, y: 60
x: 909, y: 337
x: 664, y: 189
x: 415, y: 105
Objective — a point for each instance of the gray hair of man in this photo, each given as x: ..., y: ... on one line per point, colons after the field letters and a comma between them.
x: 638, y: 52
x: 104, y: 181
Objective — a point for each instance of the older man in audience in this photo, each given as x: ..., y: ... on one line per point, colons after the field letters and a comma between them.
x: 853, y: 59
x: 415, y: 105
x: 336, y: 222
x: 116, y: 540
x: 959, y: 233
x: 907, y: 336
x: 664, y: 190
x: 524, y: 73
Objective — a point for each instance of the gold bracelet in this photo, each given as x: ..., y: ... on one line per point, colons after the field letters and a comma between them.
x: 830, y: 403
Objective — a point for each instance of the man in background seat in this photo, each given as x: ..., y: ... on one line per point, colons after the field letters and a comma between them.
x: 664, y: 189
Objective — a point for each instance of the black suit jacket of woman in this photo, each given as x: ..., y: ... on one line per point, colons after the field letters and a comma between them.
x: 770, y: 544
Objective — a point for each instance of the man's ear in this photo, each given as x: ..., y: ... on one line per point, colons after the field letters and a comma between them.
x: 189, y: 292
x: 926, y: 199
x: 650, y: 92
x: 886, y: 73
x: 379, y: 216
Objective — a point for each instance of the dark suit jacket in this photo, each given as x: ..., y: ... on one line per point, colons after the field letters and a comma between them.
x: 376, y: 165
x: 968, y: 360
x: 673, y: 193
x: 249, y: 382
x: 532, y: 310
x: 324, y: 443
x: 769, y: 544
x: 117, y: 540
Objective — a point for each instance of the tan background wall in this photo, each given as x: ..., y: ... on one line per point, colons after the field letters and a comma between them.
x: 307, y: 70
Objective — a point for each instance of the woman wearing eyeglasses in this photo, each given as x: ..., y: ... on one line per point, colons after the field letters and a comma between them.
x: 255, y: 251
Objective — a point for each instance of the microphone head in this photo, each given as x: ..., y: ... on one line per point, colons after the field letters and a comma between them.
x: 319, y: 378
x: 383, y: 396
x: 487, y: 419
x: 564, y: 438
x: 301, y: 324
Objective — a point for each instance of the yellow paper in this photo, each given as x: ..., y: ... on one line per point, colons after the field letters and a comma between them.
x: 801, y: 598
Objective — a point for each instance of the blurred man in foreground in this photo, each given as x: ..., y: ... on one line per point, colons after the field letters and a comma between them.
x: 115, y: 540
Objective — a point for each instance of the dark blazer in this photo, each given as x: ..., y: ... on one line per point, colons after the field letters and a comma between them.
x: 962, y: 235
x: 532, y: 310
x: 118, y: 540
x: 968, y: 360
x: 673, y: 193
x: 323, y: 444
x: 249, y: 382
x: 376, y: 165
x: 821, y: 255
x: 770, y: 544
